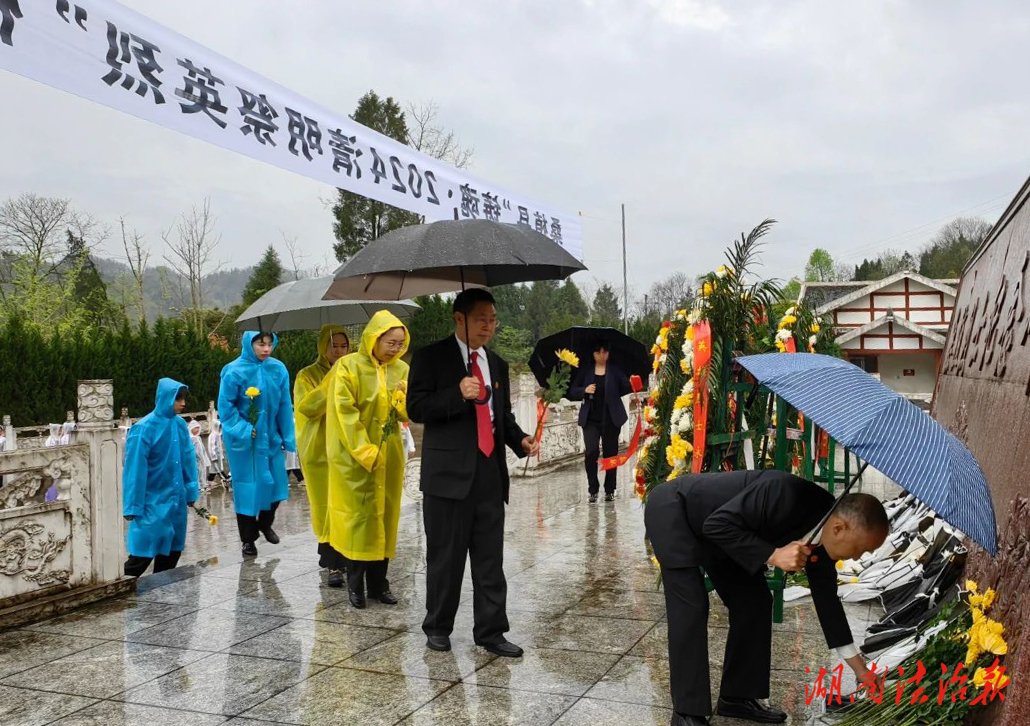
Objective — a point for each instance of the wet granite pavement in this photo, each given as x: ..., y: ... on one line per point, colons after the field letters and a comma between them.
x: 264, y: 641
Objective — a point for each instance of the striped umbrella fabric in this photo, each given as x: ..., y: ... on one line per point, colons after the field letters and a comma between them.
x: 886, y: 430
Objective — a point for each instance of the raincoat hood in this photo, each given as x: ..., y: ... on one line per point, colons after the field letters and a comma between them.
x: 324, y: 336
x: 381, y: 322
x: 167, y: 392
x: 247, y: 353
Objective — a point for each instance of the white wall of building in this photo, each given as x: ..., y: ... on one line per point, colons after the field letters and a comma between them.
x: 922, y: 365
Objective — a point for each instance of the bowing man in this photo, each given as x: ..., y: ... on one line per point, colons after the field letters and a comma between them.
x: 733, y: 525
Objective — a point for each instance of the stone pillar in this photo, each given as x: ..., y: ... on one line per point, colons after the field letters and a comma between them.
x: 10, y: 438
x: 97, y: 428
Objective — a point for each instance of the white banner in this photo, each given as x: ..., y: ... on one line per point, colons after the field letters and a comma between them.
x: 105, y: 52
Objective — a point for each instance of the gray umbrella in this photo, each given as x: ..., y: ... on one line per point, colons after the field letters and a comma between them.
x: 447, y: 256
x: 299, y: 305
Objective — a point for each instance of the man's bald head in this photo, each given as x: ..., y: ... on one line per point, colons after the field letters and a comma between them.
x: 858, y: 525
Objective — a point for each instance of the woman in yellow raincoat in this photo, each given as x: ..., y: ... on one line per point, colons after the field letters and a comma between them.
x: 309, y: 394
x: 367, y: 456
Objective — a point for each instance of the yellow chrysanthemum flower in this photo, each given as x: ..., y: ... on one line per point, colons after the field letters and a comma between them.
x: 706, y: 289
x: 252, y: 392
x: 212, y: 520
x: 567, y: 356
x: 815, y: 328
x: 684, y: 367
x: 690, y: 332
x: 683, y: 401
x: 787, y: 320
x: 971, y: 586
x: 988, y: 598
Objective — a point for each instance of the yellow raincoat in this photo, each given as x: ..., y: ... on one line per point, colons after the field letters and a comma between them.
x: 366, y: 474
x: 309, y: 395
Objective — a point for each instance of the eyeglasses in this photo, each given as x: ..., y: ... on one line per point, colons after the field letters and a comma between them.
x: 393, y: 344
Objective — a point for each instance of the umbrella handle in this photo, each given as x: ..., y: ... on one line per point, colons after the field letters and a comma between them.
x: 826, y: 517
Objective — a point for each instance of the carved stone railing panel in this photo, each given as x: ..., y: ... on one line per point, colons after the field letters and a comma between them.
x: 45, y: 522
x: 95, y: 401
x: 562, y: 440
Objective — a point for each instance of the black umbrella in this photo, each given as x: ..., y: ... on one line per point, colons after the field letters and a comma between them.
x: 629, y: 355
x: 448, y: 256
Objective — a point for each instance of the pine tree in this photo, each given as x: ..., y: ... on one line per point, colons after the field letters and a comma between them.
x: 605, y: 312
x: 266, y: 275
x: 89, y: 292
x: 358, y: 219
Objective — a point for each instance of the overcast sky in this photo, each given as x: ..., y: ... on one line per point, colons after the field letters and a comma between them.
x: 859, y: 126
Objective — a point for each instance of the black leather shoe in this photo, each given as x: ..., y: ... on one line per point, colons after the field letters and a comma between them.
x: 749, y: 709
x: 270, y: 536
x: 357, y: 599
x: 503, y: 649
x: 679, y: 720
x: 609, y: 497
x: 439, y: 643
x: 249, y: 549
x: 386, y: 598
x: 593, y: 499
x: 335, y: 578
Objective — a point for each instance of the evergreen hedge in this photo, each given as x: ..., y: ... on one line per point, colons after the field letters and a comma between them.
x: 38, y: 373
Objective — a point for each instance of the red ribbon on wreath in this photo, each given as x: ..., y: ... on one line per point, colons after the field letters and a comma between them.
x: 613, y: 462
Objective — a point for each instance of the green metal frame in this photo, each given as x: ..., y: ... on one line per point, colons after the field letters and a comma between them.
x: 719, y: 445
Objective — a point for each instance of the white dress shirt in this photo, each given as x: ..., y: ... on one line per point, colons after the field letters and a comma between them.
x: 484, y: 368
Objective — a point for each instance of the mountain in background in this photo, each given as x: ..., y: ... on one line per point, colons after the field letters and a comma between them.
x: 165, y: 291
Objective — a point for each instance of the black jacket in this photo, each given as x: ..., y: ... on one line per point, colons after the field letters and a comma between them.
x: 616, y: 385
x: 744, y: 516
x: 449, y: 442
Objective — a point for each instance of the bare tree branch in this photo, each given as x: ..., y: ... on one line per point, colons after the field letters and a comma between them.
x: 296, y: 256
x: 425, y: 135
x: 191, y: 253
x: 137, y: 255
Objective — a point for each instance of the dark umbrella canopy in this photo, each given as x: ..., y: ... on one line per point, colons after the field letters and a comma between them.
x: 886, y: 430
x: 446, y: 256
x: 628, y: 354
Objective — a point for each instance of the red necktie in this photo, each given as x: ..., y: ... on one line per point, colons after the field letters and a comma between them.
x: 484, y: 427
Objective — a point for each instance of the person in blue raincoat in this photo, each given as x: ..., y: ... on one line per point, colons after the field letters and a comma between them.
x: 159, y: 482
x: 257, y: 427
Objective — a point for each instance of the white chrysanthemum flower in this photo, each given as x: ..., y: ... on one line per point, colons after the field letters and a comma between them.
x: 812, y: 339
x: 783, y: 335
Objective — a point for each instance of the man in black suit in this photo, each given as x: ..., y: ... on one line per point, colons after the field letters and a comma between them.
x: 733, y: 525
x: 465, y: 404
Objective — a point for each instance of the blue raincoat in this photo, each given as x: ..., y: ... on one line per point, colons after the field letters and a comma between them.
x: 257, y: 464
x: 159, y: 478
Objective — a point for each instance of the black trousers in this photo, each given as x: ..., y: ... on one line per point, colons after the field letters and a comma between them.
x: 600, y: 439
x: 372, y: 573
x: 745, y: 671
x: 472, y: 527
x: 250, y: 527
x: 136, y: 566
x: 327, y: 557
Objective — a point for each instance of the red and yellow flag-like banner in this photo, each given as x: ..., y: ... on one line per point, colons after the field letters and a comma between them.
x: 702, y: 357
x: 614, y: 462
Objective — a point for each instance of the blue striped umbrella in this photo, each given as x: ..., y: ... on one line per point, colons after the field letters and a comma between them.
x: 886, y: 430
